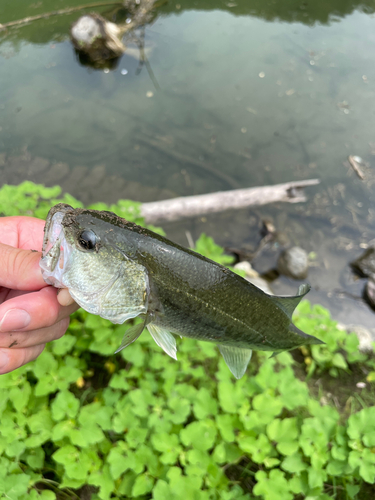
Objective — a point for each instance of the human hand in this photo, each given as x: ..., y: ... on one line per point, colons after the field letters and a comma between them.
x: 30, y: 312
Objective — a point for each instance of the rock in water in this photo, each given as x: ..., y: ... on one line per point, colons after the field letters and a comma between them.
x: 96, y: 37
x: 293, y: 262
x: 254, y: 277
x: 365, y: 264
x: 370, y: 290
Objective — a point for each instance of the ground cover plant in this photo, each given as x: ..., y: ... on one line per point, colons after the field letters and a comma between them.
x: 81, y: 422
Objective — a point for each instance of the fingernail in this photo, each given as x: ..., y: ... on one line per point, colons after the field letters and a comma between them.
x: 4, y: 360
x: 14, y: 319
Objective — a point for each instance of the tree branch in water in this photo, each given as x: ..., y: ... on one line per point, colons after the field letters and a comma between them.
x: 193, y: 206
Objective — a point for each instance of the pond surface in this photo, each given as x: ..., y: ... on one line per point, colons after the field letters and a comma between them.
x: 235, y: 94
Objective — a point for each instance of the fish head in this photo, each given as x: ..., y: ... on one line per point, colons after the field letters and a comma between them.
x: 79, y: 255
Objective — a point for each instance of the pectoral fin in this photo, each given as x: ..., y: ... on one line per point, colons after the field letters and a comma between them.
x: 236, y: 359
x: 164, y: 339
x: 131, y: 335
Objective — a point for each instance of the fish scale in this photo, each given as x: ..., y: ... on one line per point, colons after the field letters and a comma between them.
x: 120, y: 270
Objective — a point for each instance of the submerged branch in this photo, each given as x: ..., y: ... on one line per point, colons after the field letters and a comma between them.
x: 181, y: 157
x: 193, y: 206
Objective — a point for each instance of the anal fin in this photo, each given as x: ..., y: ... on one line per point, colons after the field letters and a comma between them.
x: 164, y: 339
x: 131, y: 335
x: 236, y: 358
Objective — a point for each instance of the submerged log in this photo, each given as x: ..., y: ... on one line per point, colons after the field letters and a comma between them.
x: 193, y: 206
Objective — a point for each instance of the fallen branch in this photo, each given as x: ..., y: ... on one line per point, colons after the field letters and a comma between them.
x: 193, y: 206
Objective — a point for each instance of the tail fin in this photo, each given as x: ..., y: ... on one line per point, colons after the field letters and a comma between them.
x: 305, y: 338
x: 288, y: 304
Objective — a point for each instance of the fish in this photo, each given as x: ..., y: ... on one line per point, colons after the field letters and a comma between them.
x: 120, y: 270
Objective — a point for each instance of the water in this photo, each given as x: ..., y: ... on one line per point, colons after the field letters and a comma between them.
x: 237, y: 94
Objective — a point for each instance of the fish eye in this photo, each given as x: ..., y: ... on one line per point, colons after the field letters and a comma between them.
x: 87, y: 239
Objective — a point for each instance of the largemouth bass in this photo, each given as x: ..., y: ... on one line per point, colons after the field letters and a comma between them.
x: 120, y: 271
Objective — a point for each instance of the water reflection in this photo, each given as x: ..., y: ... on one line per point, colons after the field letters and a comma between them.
x: 291, y: 11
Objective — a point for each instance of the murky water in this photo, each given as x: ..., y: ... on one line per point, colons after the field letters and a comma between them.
x: 236, y: 94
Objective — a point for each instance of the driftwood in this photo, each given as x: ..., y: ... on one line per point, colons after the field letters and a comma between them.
x: 193, y: 206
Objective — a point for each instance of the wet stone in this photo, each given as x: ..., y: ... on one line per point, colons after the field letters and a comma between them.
x: 365, y: 264
x: 56, y: 174
x: 254, y: 277
x: 95, y: 177
x: 370, y: 291
x: 74, y: 178
x: 294, y: 263
x: 18, y: 164
x: 112, y: 187
x: 37, y: 166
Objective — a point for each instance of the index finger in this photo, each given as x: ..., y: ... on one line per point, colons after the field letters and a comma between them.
x: 22, y: 232
x: 19, y: 269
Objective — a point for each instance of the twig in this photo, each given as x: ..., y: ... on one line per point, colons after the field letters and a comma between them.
x: 143, y: 59
x: 59, y: 12
x: 190, y: 239
x: 356, y: 167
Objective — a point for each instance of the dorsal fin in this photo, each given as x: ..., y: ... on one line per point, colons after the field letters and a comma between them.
x: 288, y: 304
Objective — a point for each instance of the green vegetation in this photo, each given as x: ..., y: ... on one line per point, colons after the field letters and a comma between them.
x: 81, y: 422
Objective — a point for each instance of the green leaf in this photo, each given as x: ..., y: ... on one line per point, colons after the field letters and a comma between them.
x: 63, y: 345
x: 127, y: 483
x: 180, y: 410
x: 136, y: 436
x: 41, y: 425
x: 41, y: 495
x: 230, y: 397
x: 258, y: 447
x: 103, y: 480
x: 294, y: 463
x: 35, y: 458
x: 285, y: 433
x: 200, y: 435
x: 168, y: 444
x: 20, y: 397
x: 76, y: 464
x: 352, y: 490
x: 338, y: 360
x: 162, y: 491
x: 226, y: 426
x: 143, y: 484
x: 14, y: 486
x: 336, y: 467
x: 361, y: 425
x: 316, y: 477
x: 365, y: 461
x: 117, y: 460
x: 64, y: 404
x: 204, y: 404
x: 272, y: 486
x: 66, y: 455
x: 206, y: 246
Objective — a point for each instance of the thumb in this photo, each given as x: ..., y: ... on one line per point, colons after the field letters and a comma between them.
x: 19, y: 269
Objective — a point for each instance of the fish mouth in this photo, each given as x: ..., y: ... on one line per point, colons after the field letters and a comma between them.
x: 56, y: 250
